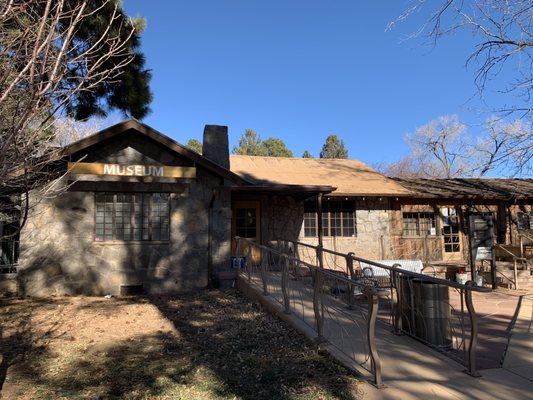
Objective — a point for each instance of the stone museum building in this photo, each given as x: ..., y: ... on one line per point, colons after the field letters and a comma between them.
x: 138, y: 212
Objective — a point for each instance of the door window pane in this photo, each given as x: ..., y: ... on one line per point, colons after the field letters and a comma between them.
x: 246, y: 222
x: 450, y: 230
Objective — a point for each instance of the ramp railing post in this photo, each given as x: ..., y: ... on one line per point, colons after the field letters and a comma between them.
x: 351, y: 276
x: 249, y: 262
x: 397, y: 314
x: 320, y: 256
x: 284, y: 285
x: 515, y: 274
x: 262, y: 267
x: 373, y: 305
x: 317, y: 304
x: 472, y: 345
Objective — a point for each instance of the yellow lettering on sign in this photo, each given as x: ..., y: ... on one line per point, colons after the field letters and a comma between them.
x: 163, y: 171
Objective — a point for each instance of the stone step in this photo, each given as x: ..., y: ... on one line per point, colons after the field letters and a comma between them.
x: 525, y: 278
x: 511, y: 275
x: 528, y: 287
x: 510, y: 267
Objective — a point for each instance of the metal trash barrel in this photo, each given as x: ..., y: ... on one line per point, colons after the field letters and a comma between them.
x: 425, y: 311
x: 432, y: 313
x: 407, y: 310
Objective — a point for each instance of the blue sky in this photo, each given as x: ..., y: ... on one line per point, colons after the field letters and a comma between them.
x: 300, y: 70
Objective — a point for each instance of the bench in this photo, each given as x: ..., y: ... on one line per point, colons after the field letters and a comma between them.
x: 380, y: 277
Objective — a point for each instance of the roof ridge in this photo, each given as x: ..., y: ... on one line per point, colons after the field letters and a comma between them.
x: 299, y: 158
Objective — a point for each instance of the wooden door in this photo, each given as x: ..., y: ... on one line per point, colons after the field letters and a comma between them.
x: 246, y: 223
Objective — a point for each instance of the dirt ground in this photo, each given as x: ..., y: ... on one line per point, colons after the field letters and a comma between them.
x: 212, y: 345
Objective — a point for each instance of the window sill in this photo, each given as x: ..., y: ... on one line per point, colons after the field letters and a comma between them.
x: 332, y: 237
x: 420, y: 237
x: 127, y: 242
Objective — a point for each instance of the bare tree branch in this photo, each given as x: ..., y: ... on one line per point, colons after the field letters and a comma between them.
x: 443, y: 149
x: 504, y: 33
x: 43, y: 69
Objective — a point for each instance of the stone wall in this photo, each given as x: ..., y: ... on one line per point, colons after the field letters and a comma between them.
x: 282, y: 218
x: 59, y: 255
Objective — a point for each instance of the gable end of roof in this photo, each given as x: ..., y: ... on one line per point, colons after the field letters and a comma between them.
x: 151, y: 133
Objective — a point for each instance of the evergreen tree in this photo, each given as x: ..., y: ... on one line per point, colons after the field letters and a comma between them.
x: 250, y: 144
x: 87, y: 52
x: 306, y: 154
x: 130, y: 92
x: 275, y: 147
x: 74, y: 58
x: 334, y: 148
x: 195, y: 145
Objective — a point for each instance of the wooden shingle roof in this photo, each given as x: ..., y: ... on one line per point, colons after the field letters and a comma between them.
x: 349, y: 177
x: 475, y: 188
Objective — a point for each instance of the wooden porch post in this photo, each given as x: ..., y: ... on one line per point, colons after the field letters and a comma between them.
x: 319, y: 216
x: 320, y: 233
x: 471, y: 255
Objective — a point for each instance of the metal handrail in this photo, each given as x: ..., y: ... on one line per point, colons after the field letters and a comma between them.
x: 321, y: 279
x: 510, y: 253
x: 515, y: 267
x: 525, y: 235
x: 336, y: 253
x: 396, y: 301
x: 395, y: 281
x: 506, y: 277
x: 412, y: 274
x: 304, y: 263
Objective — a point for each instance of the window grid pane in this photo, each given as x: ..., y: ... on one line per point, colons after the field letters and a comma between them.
x: 310, y: 224
x: 426, y: 222
x: 524, y: 220
x: 132, y: 216
x: 418, y: 223
x: 338, y: 219
x: 246, y: 223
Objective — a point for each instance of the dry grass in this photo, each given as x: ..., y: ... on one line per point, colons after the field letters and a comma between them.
x: 206, y: 346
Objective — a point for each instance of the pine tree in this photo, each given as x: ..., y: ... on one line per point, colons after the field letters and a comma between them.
x: 195, y: 145
x: 130, y: 93
x: 275, y: 147
x: 334, y: 148
x: 250, y: 144
x: 306, y: 154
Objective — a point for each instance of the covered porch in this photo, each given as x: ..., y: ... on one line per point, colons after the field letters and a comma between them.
x: 264, y: 214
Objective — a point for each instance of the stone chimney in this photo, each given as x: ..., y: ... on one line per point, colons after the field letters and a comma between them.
x: 216, y: 146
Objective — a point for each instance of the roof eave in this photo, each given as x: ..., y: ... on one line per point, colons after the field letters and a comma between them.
x: 284, y: 188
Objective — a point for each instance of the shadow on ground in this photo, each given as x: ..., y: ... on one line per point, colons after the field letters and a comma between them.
x: 252, y: 353
x: 211, y: 345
